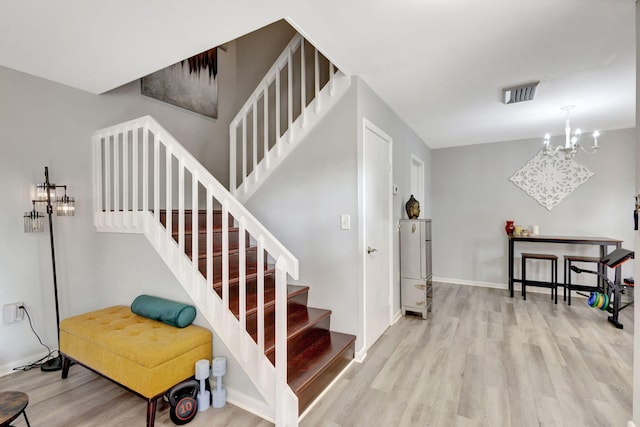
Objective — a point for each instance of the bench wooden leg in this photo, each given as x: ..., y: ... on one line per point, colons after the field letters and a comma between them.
x: 66, y: 363
x: 151, y: 411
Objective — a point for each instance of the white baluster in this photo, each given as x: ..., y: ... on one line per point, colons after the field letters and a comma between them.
x: 260, y: 290
x: 254, y: 168
x: 209, y: 238
x: 266, y: 127
x: 244, y: 151
x: 107, y: 178
x: 303, y: 83
x: 135, y: 205
x: 116, y: 178
x: 195, y: 224
x: 156, y: 176
x: 277, y: 94
x: 316, y: 66
x: 281, y: 337
x: 290, y: 95
x: 242, y: 274
x: 181, y: 203
x: 145, y: 167
x: 233, y: 133
x: 125, y: 172
x: 225, y: 254
x: 168, y: 202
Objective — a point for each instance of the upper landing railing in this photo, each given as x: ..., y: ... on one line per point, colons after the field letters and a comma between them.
x: 301, y: 86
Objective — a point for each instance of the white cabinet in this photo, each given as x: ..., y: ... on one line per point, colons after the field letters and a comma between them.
x: 416, y: 286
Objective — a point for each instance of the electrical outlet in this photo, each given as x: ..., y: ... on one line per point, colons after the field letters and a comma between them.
x: 12, y: 313
x: 20, y: 313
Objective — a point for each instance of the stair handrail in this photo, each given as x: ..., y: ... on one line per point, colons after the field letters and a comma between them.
x: 235, y: 208
x: 117, y: 207
x: 270, y: 76
x: 250, y: 108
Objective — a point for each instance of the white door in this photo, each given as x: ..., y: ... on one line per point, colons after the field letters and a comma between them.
x: 377, y: 239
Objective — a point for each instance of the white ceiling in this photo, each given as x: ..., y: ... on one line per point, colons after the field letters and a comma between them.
x: 440, y: 64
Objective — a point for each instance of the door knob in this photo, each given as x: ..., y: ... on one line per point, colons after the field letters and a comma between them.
x: 371, y: 250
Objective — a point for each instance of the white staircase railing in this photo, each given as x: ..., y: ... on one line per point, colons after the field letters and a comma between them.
x: 139, y: 169
x: 277, y: 115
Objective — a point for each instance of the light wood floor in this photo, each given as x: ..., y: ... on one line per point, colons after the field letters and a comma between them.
x: 482, y: 359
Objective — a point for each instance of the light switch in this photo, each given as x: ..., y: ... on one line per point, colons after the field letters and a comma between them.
x: 345, y: 222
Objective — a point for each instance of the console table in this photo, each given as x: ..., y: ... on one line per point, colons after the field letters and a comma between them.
x: 603, y: 242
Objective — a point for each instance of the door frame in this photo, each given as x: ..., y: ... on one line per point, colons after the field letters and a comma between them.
x: 418, y: 164
x: 363, y: 346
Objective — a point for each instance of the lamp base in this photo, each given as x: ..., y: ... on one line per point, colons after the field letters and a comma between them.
x: 51, y: 365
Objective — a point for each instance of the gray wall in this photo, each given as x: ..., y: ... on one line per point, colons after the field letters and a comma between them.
x: 258, y: 56
x: 302, y: 201
x: 301, y: 204
x: 473, y: 197
x: 405, y: 143
x: 43, y: 123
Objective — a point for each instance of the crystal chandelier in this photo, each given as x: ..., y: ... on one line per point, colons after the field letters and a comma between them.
x: 46, y: 193
x: 571, y: 143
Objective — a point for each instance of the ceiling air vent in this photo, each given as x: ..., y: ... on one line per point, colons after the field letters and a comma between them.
x: 520, y: 93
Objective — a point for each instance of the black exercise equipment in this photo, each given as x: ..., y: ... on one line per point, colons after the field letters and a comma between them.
x: 184, y: 405
x: 609, y: 297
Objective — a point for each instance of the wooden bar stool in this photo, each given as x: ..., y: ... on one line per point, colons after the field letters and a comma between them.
x: 568, y: 285
x: 553, y: 284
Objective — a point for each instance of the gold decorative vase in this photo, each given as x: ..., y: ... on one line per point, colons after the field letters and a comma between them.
x: 413, y: 208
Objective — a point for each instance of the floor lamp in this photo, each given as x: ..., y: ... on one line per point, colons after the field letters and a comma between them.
x: 33, y: 223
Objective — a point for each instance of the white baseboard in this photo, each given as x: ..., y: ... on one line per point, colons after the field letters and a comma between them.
x: 396, y: 317
x: 326, y: 390
x: 9, y: 367
x: 250, y: 404
x: 471, y: 283
x: 502, y: 286
x: 260, y: 408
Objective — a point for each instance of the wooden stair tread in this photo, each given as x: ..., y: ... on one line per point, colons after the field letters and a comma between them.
x: 315, y: 367
x: 251, y: 274
x: 299, y: 319
x: 314, y: 359
x: 233, y: 235
x: 200, y: 211
x: 269, y: 298
x: 316, y: 355
x: 202, y: 219
x: 218, y: 253
x: 296, y: 289
x: 188, y: 231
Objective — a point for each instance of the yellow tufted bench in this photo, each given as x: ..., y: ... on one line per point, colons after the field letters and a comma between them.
x: 143, y: 355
